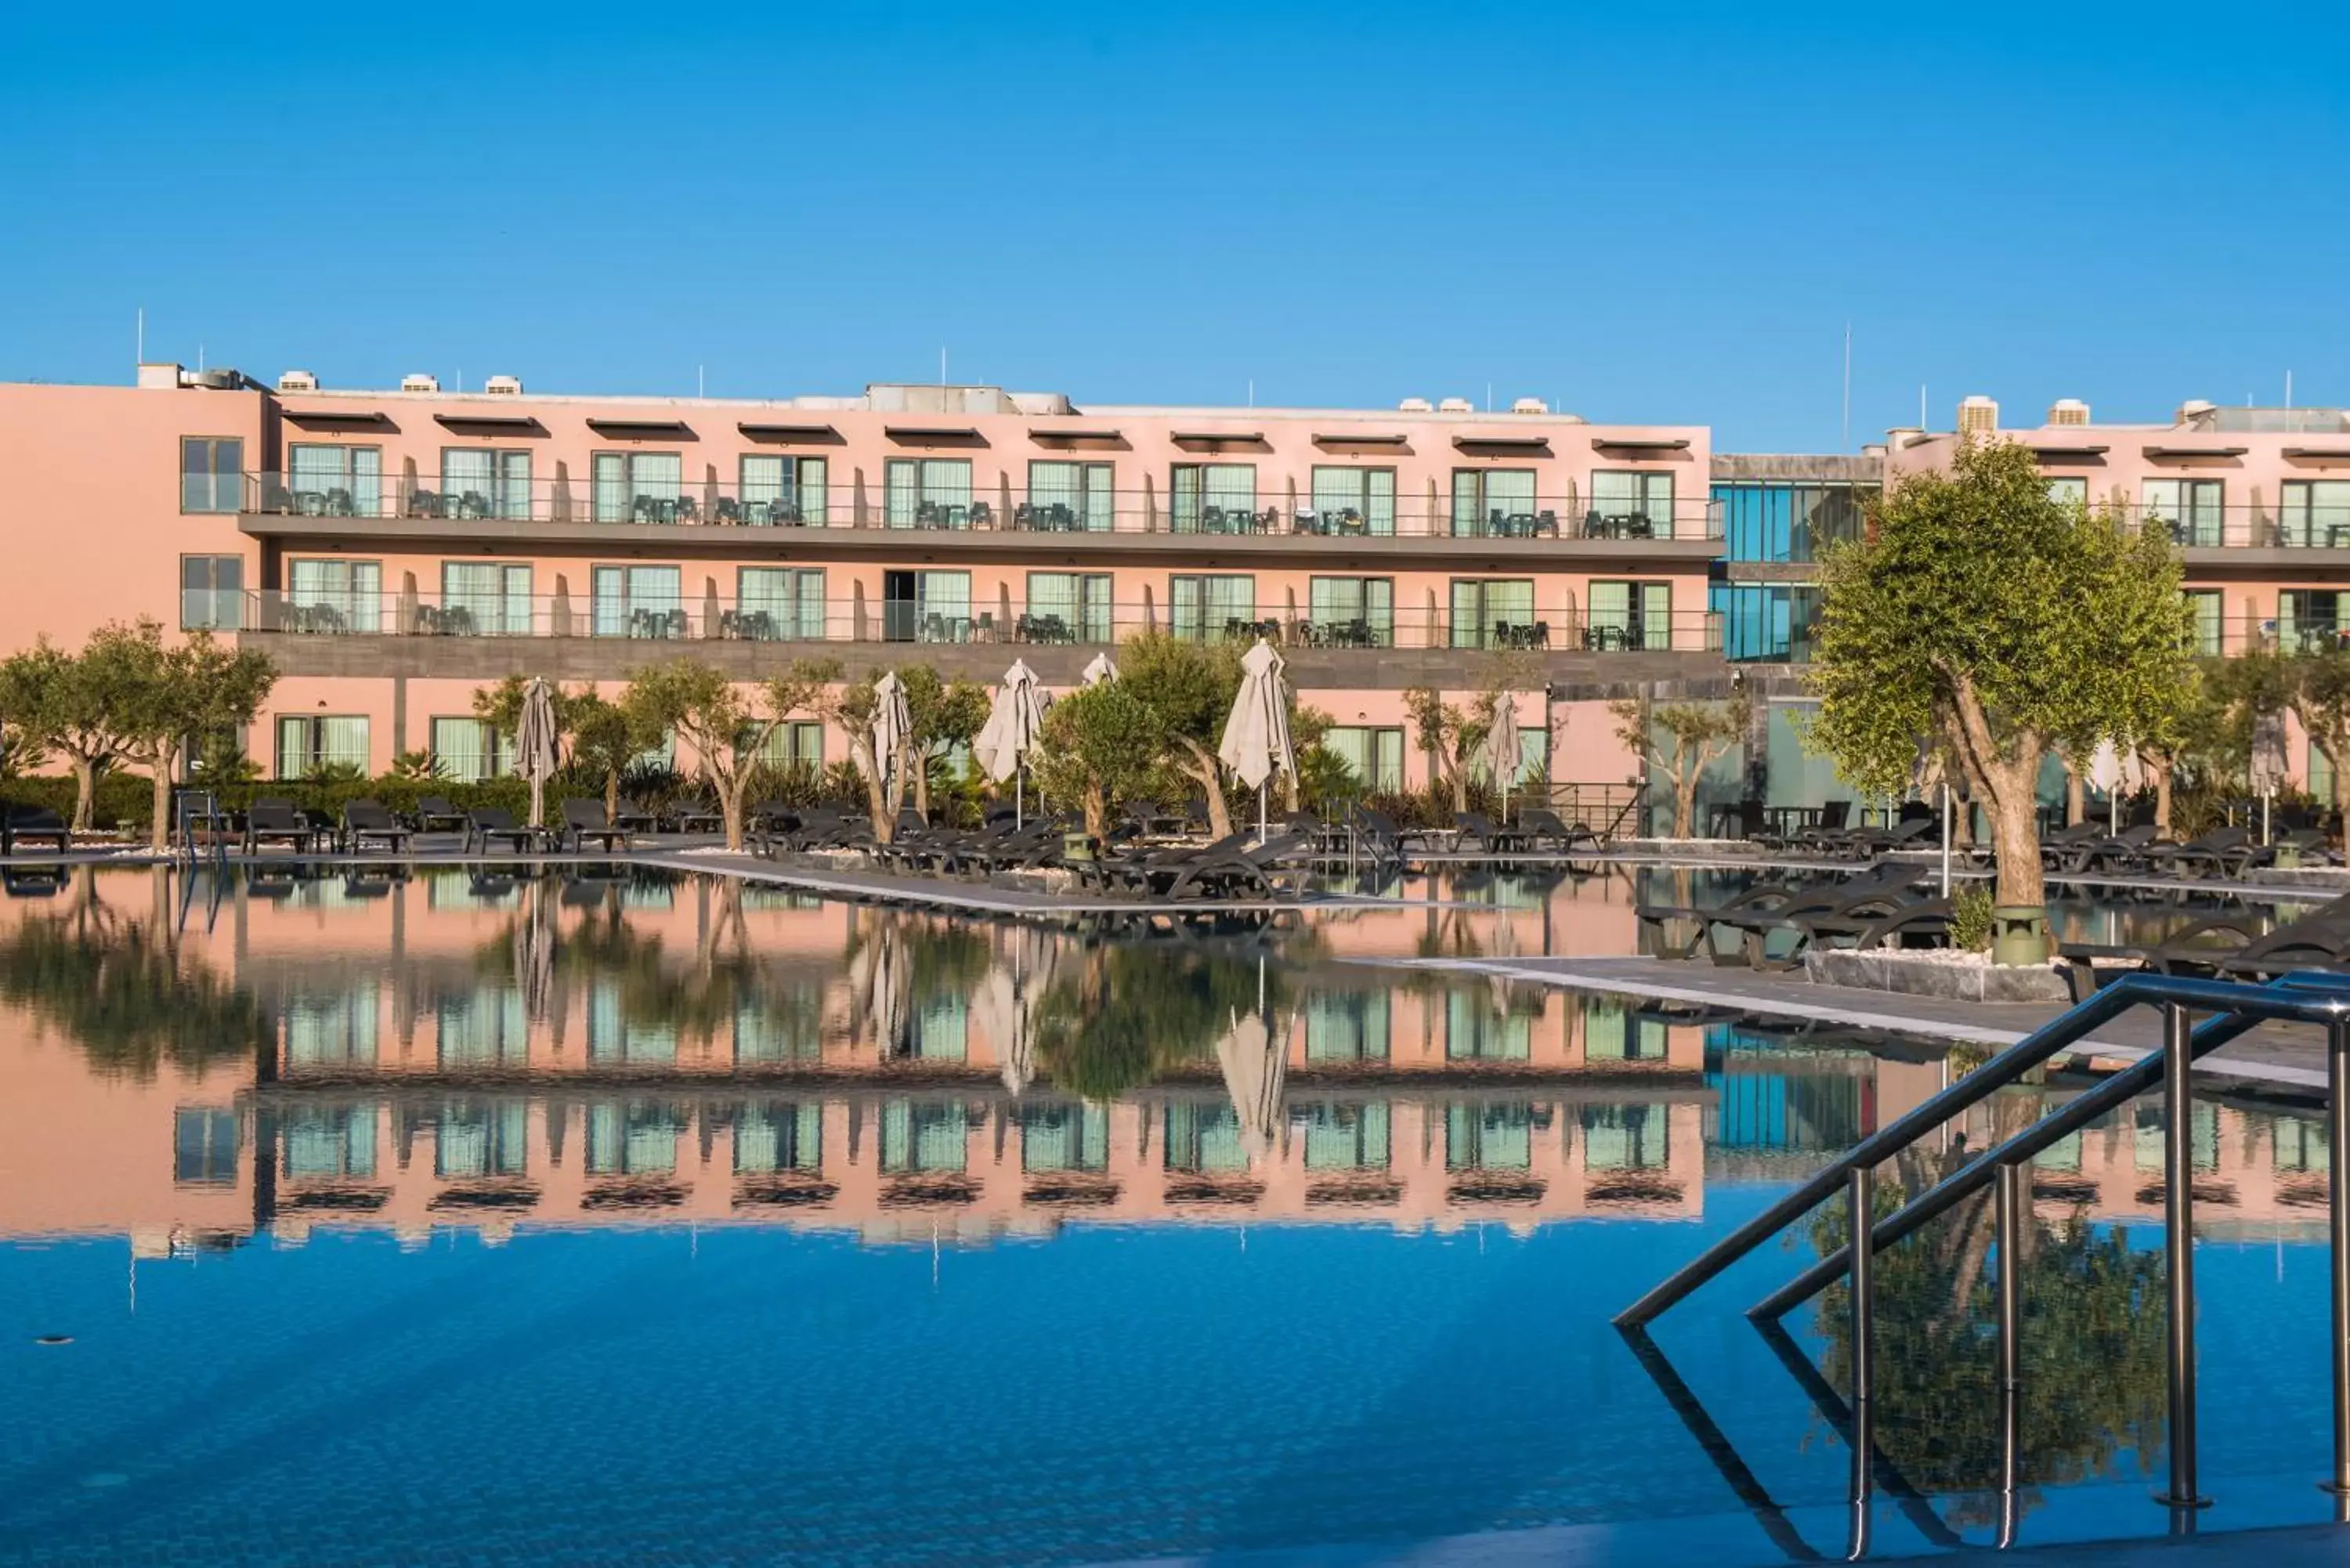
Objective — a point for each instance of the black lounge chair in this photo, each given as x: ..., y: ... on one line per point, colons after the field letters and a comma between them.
x: 1753, y: 926
x: 2115, y: 853
x: 1828, y: 836
x: 1250, y: 873
x: 37, y: 823
x: 2223, y: 852
x: 277, y: 822
x: 634, y: 817
x: 2220, y: 944
x: 1896, y: 919
x: 1539, y: 828
x: 697, y: 817
x: 365, y: 820
x: 1873, y: 841
x: 434, y: 813
x: 2057, y: 848
x: 585, y: 819
x: 488, y: 824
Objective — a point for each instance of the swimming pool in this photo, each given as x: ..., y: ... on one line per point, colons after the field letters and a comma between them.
x: 647, y: 1218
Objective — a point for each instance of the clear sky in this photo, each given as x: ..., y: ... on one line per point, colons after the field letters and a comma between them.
x: 1637, y: 213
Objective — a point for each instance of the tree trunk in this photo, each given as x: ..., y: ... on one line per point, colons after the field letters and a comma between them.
x: 85, y: 774
x: 730, y: 805
x: 1202, y: 770
x: 612, y: 794
x: 159, y: 832
x: 1096, y: 811
x: 2342, y: 792
x: 1458, y: 774
x: 885, y: 818
x: 1685, y: 804
x: 2161, y: 772
x: 922, y: 788
x: 2015, y: 834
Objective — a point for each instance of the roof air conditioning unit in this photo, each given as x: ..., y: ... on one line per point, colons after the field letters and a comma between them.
x: 217, y: 381
x: 502, y: 386
x: 1415, y: 406
x: 2068, y: 412
x: 1978, y: 415
x: 419, y: 383
x: 1456, y: 406
x: 1529, y: 406
x: 297, y: 382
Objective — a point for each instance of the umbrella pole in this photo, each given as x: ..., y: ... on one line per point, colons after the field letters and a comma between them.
x: 2264, y: 817
x: 1260, y: 811
x: 1946, y: 838
x: 1019, y: 798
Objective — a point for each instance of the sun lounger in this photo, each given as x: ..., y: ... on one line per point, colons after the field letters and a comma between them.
x: 585, y: 819
x: 2115, y: 853
x: 277, y: 822
x: 36, y: 823
x: 488, y: 824
x: 1250, y: 873
x: 433, y: 814
x: 366, y: 820
x: 1743, y: 936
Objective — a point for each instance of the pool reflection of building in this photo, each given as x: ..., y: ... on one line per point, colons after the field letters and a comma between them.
x: 688, y: 1051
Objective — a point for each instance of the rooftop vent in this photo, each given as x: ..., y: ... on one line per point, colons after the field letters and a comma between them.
x: 217, y: 381
x: 419, y: 383
x: 297, y: 382
x: 1978, y: 415
x: 502, y: 386
x: 1456, y: 406
x: 2193, y: 410
x: 2068, y: 412
x: 1415, y: 406
x: 1529, y: 406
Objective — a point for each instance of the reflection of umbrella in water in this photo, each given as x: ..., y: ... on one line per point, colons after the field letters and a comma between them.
x: 1004, y: 1006
x: 1253, y: 1055
x: 882, y: 986
x: 534, y: 945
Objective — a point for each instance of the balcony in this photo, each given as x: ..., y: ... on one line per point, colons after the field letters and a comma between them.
x: 847, y: 503
x: 342, y: 617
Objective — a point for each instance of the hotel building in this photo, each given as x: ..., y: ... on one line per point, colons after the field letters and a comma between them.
x: 394, y: 550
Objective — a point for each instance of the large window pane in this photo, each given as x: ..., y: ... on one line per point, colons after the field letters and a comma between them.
x: 1355, y: 612
x: 1629, y: 501
x: 334, y: 595
x: 336, y: 481
x: 1492, y: 500
x: 210, y: 474
x: 484, y: 599
x: 927, y: 492
x: 2315, y: 513
x: 636, y: 601
x: 779, y: 603
x: 1348, y: 497
x: 212, y: 593
x: 1072, y: 495
x: 1068, y: 606
x: 1214, y: 496
x: 1201, y: 606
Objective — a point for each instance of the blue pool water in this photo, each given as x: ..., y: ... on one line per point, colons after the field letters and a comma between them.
x: 901, y: 1385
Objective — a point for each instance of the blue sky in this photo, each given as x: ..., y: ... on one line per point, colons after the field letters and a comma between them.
x: 1637, y: 216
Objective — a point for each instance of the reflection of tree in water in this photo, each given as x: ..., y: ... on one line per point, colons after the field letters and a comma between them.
x: 123, y: 994
x: 1129, y: 1012
x: 2094, y: 1388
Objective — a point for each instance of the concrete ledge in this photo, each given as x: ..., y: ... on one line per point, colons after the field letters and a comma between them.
x: 1933, y: 976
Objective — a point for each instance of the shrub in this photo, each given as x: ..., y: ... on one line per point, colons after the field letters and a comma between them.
x: 1971, y: 918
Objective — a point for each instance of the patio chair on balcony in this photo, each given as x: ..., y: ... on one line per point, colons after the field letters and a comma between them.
x: 1023, y: 515
x: 339, y: 503
x: 983, y: 516
x: 1546, y: 523
x: 728, y: 510
x: 423, y: 503
x: 473, y: 504
x: 689, y: 510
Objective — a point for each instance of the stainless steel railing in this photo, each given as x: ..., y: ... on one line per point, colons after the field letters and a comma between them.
x: 2233, y: 1007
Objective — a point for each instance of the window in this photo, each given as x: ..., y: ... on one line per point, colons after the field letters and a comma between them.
x: 1198, y: 608
x: 212, y: 593
x: 1375, y: 755
x: 780, y: 603
x: 1346, y: 1026
x: 1626, y: 1138
x: 1202, y: 1138
x: 1613, y: 1032
x: 1064, y: 1137
x: 636, y: 601
x: 479, y: 1027
x: 778, y: 1135
x: 1630, y: 616
x: 2315, y: 513
x: 467, y: 751
x: 329, y: 1145
x: 1346, y: 1137
x: 210, y: 478
x: 783, y: 489
x: 1782, y: 522
x: 1204, y: 495
x: 1353, y: 612
x: 639, y: 487
x: 1483, y: 607
x: 334, y: 481
x: 1477, y: 1029
x: 485, y: 598
x: 334, y: 595
x: 615, y: 1034
x: 933, y: 607
x: 639, y: 1138
x: 2189, y: 506
x: 2207, y: 637
x: 477, y: 1139
x: 334, y: 1027
x: 2071, y: 491
x: 1071, y: 606
x: 796, y: 744
x: 927, y: 492
x: 1080, y: 490
x: 479, y: 482
x: 306, y: 744
x: 203, y: 1145
x: 1485, y: 500
x: 1626, y: 492
x: 917, y: 1138
x: 1367, y: 494
x: 1489, y: 1136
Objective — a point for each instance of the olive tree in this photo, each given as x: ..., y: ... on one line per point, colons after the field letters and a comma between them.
x: 1098, y: 747
x: 200, y: 687
x: 1187, y: 689
x: 2315, y: 688
x: 726, y: 724
x: 1681, y: 740
x: 1980, y: 613
x: 943, y: 714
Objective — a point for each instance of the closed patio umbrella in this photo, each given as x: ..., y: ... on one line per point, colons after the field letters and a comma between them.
x: 2114, y: 771
x: 1502, y: 746
x: 2269, y: 763
x: 1098, y: 671
x: 892, y: 723
x: 1256, y: 736
x: 535, y: 740
x: 1013, y: 719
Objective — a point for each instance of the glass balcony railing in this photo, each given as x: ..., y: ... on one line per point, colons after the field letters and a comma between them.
x: 843, y: 503
x: 685, y: 620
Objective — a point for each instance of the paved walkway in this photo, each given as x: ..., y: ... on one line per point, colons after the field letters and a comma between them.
x: 2282, y: 1056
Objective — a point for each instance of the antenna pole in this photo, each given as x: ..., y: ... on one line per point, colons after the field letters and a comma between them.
x: 942, y: 364
x: 142, y: 335
x: 1846, y: 444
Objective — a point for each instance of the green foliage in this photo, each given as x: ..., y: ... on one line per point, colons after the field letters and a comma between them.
x: 1986, y: 618
x: 126, y: 1000
x: 1098, y: 747
x: 1131, y: 1013
x: 1970, y: 909
x: 1681, y: 740
x: 416, y: 764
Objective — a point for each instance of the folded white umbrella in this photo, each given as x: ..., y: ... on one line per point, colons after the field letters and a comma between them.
x: 1015, y: 715
x: 1252, y: 1054
x: 1098, y: 671
x: 1256, y: 736
x: 1501, y: 748
x: 891, y: 722
x: 534, y: 742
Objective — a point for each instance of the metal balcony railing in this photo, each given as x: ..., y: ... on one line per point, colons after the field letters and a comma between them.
x: 845, y: 502
x: 686, y: 617
x: 2232, y: 1010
